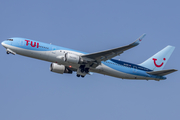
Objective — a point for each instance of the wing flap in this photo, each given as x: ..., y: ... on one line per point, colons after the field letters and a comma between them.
x: 162, y: 72
x: 108, y: 54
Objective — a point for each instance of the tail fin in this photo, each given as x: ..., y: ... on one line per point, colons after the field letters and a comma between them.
x: 158, y: 61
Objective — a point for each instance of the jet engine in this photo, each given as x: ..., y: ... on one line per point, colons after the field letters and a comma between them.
x: 72, y: 58
x: 59, y: 68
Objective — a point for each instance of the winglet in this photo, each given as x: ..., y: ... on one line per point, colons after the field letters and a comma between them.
x: 139, y: 40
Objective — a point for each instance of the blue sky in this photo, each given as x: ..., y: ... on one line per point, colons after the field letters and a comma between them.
x: 28, y: 90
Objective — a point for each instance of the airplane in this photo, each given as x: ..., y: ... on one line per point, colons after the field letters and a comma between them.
x: 65, y: 60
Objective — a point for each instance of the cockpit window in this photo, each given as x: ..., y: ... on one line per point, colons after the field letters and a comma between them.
x: 9, y: 39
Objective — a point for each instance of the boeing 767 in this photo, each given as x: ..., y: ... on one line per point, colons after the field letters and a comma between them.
x: 64, y: 60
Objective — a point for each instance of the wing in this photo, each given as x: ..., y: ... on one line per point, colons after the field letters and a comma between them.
x: 108, y: 54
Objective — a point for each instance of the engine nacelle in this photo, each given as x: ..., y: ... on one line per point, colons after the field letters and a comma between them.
x: 72, y: 58
x: 59, y: 68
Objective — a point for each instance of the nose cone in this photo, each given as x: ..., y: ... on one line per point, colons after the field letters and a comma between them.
x: 3, y: 44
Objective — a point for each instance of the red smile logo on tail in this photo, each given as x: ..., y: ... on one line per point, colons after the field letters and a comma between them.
x: 156, y: 64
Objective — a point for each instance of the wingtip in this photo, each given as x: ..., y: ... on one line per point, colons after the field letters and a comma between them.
x: 175, y: 70
x: 142, y: 36
x: 139, y: 39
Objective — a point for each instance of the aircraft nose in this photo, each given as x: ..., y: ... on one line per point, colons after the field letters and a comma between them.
x: 2, y: 43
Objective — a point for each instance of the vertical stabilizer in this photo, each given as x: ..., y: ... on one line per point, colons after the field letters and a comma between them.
x: 158, y: 61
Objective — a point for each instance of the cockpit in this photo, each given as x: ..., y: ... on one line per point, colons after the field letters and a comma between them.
x: 9, y: 39
x: 6, y: 42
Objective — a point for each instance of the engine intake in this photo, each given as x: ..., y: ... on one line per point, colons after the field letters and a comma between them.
x: 72, y: 58
x: 59, y: 68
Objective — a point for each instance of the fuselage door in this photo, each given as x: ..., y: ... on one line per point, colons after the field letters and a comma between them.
x: 21, y: 43
x: 134, y: 69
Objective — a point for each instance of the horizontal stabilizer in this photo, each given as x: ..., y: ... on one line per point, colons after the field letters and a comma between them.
x: 162, y: 72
